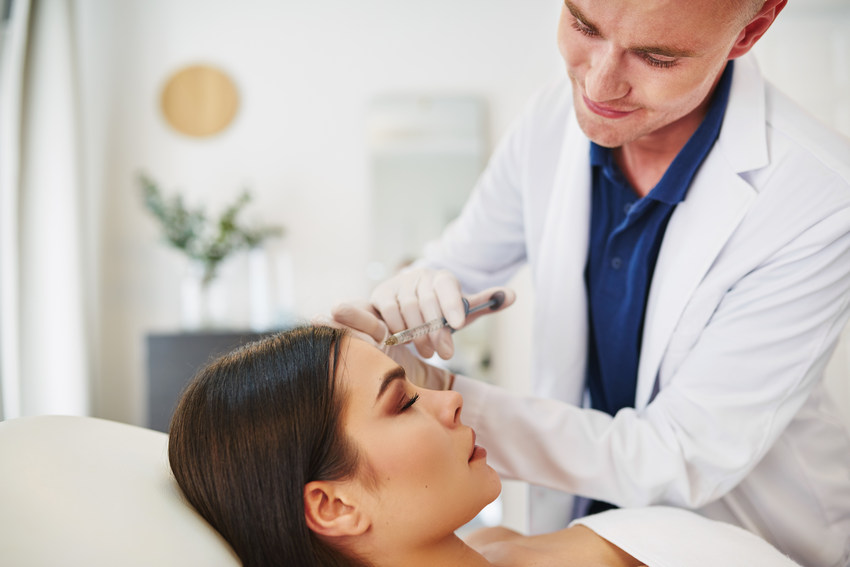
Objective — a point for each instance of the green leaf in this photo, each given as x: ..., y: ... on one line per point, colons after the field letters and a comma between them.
x: 199, y: 237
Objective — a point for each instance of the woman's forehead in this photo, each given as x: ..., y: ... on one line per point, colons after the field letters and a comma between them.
x: 363, y: 369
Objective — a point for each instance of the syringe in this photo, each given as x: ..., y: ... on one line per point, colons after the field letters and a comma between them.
x: 408, y: 335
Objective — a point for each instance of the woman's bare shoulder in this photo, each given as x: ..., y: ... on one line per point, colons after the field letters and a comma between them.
x: 485, y: 536
x: 503, y: 547
x: 576, y: 546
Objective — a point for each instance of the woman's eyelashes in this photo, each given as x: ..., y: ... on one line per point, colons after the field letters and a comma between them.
x: 406, y: 402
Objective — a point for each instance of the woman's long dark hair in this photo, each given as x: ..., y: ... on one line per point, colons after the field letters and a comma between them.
x: 250, y: 431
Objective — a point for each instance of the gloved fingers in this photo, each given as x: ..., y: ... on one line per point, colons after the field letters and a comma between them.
x: 387, y: 297
x: 362, y: 319
x: 429, y: 310
x: 415, y: 304
x: 416, y: 297
x: 449, y: 300
x: 439, y: 296
x: 443, y: 342
x: 409, y: 304
x: 505, y: 295
x: 447, y: 291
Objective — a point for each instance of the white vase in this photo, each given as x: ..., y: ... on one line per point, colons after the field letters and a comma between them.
x: 202, y: 305
x: 260, y: 286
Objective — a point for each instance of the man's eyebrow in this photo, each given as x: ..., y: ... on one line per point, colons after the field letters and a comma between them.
x: 664, y: 51
x: 396, y: 373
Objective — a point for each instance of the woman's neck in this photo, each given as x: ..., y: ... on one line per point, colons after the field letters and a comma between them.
x: 448, y: 552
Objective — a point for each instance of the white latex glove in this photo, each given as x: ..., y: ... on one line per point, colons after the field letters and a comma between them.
x: 417, y: 296
x: 364, y: 323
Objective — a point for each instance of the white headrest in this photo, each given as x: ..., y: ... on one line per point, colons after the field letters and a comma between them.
x: 95, y: 493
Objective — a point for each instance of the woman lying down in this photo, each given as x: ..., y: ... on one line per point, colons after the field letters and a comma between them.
x: 310, y: 448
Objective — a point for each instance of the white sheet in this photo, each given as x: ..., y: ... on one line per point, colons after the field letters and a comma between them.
x: 670, y: 537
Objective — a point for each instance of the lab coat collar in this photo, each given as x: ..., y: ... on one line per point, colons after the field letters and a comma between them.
x: 743, y: 136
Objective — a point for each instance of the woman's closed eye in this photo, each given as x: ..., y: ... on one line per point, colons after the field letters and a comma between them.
x: 406, y: 402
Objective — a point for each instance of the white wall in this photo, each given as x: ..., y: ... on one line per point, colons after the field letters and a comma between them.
x: 305, y: 71
x: 807, y: 54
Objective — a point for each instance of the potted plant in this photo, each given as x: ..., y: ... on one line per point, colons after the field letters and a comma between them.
x: 205, y: 241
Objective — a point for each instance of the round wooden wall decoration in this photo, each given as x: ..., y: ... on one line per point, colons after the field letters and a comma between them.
x: 199, y: 101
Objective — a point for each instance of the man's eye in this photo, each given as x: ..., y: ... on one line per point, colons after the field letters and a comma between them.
x: 656, y: 62
x: 583, y: 29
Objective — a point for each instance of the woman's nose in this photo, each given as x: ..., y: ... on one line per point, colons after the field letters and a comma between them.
x: 448, y: 407
x: 604, y: 80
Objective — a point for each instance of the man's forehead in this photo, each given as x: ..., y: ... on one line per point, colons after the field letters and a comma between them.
x: 689, y: 27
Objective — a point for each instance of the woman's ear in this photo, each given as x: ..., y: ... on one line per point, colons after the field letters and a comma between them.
x: 331, y: 509
x: 757, y: 27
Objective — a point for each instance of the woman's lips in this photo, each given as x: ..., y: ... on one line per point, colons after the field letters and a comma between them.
x: 605, y: 111
x: 477, y: 452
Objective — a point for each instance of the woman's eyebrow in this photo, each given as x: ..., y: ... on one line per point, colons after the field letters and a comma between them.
x: 396, y: 373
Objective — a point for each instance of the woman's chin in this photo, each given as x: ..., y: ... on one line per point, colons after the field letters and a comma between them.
x: 492, y: 487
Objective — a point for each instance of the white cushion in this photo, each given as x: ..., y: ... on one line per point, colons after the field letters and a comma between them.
x: 80, y: 491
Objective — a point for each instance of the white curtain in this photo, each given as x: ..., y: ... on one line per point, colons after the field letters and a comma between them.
x: 44, y: 338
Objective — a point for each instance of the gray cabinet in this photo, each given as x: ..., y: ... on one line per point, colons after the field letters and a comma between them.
x: 172, y: 361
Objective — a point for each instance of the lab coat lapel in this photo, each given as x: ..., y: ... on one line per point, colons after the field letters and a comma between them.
x: 701, y: 225
x: 561, y: 324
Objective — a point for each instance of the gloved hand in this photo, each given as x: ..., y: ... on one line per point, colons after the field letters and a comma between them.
x: 364, y: 323
x: 419, y: 295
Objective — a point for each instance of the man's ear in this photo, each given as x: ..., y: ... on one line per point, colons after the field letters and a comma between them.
x: 332, y: 509
x: 758, y: 25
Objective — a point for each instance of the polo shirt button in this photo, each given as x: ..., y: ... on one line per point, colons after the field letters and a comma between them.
x: 628, y: 207
x: 616, y: 263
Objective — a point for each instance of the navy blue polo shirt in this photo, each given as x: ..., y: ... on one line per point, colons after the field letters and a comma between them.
x: 625, y: 235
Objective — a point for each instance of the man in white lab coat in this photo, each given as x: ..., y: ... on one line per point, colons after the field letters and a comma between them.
x: 688, y: 234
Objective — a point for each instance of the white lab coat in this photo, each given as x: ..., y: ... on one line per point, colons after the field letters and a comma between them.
x: 750, y: 293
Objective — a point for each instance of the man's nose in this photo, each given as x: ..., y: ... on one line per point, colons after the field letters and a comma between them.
x: 605, y: 80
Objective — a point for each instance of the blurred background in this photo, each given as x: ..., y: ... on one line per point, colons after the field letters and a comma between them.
x: 357, y: 127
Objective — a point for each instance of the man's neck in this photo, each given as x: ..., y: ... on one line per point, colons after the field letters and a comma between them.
x: 644, y: 161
